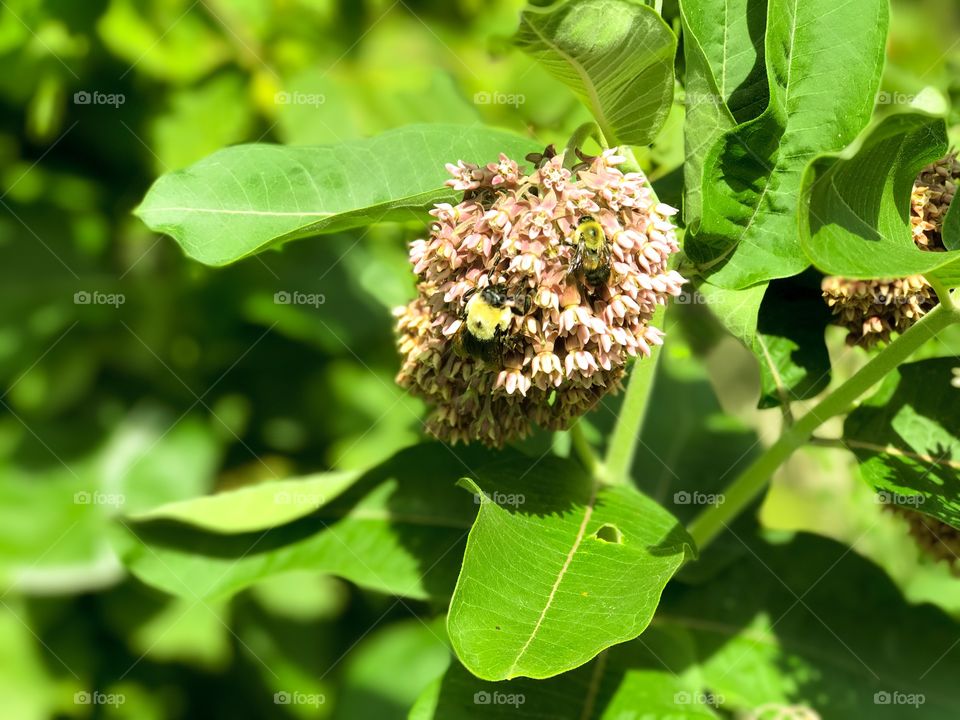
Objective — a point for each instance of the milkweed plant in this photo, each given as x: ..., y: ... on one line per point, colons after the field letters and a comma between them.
x: 594, y: 538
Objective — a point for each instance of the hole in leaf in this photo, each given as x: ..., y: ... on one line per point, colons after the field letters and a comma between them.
x: 609, y: 533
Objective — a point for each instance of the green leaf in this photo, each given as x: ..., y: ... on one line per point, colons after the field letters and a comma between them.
x: 257, y: 507
x: 616, y: 56
x: 783, y: 324
x: 655, y: 674
x: 244, y: 199
x: 724, y: 82
x: 823, y: 64
x: 557, y: 569
x: 399, y: 529
x: 783, y: 627
x: 907, y: 440
x: 855, y: 216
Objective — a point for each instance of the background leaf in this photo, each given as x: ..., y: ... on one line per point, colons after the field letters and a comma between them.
x: 257, y: 507
x: 244, y: 199
x: 906, y: 439
x: 656, y: 674
x: 616, y: 56
x: 399, y: 529
x: 781, y: 628
x: 556, y: 570
x: 823, y: 65
x: 855, y: 217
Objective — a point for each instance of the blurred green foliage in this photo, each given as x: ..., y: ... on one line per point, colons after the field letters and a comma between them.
x: 198, y: 380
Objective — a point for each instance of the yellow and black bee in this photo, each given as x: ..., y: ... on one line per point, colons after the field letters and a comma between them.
x: 487, y: 317
x: 591, y: 261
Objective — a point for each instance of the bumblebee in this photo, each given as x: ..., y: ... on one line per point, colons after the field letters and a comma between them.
x: 486, y: 323
x: 591, y: 262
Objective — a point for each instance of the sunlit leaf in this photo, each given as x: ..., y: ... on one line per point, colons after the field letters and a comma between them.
x: 244, y: 199
x: 724, y: 80
x: 616, y: 56
x: 907, y: 440
x: 256, y: 507
x: 556, y: 570
x: 823, y: 65
x: 855, y: 220
x: 399, y: 529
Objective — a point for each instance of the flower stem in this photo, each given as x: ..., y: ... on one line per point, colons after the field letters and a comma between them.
x: 580, y: 135
x: 584, y: 452
x: 629, y: 425
x: 942, y: 291
x: 745, y: 488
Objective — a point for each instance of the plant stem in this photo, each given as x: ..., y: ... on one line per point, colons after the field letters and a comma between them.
x: 629, y: 425
x: 580, y: 135
x: 942, y: 291
x: 745, y: 489
x: 584, y: 452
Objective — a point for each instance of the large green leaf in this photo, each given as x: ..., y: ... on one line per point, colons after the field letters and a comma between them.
x: 400, y: 529
x: 824, y: 61
x: 557, y: 569
x: 257, y: 507
x: 616, y: 56
x: 244, y: 199
x: 783, y: 323
x: 907, y: 438
x: 724, y: 80
x: 811, y: 623
x: 656, y: 674
x: 855, y: 216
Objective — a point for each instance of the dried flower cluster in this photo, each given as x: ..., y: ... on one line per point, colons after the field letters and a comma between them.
x: 567, y: 341
x: 936, y: 539
x: 873, y: 309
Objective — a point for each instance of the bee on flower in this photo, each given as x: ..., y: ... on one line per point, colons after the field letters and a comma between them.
x: 533, y: 293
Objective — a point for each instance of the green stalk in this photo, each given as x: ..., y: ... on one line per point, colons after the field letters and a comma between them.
x: 629, y: 425
x: 751, y: 482
x: 580, y: 135
x: 584, y: 452
x: 942, y: 291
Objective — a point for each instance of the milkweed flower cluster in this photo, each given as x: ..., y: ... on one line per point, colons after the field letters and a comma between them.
x: 568, y: 341
x: 873, y: 309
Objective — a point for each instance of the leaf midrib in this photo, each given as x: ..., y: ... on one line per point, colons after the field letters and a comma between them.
x: 581, y: 531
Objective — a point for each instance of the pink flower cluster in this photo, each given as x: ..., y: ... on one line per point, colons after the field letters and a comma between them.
x: 569, y: 342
